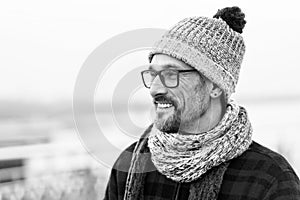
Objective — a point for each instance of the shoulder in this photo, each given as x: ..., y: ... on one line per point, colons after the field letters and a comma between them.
x: 263, y: 159
x: 123, y: 161
x: 116, y: 184
x: 260, y: 172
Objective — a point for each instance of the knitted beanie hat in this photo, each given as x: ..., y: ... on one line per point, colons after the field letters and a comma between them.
x: 213, y: 46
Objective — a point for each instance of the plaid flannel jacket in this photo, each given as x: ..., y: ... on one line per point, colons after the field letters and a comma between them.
x: 258, y: 174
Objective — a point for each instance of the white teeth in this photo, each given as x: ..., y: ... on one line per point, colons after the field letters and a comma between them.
x: 164, y: 105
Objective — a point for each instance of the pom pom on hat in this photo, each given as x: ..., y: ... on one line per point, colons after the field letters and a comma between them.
x: 233, y: 16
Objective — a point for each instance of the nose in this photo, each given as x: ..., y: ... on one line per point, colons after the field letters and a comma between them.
x: 157, y: 88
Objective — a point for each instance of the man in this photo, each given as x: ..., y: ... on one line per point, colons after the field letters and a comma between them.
x: 200, y: 145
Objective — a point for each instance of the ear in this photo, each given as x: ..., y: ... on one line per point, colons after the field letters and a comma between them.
x: 215, y: 92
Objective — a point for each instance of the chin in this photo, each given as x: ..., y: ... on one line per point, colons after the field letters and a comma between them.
x: 168, y: 126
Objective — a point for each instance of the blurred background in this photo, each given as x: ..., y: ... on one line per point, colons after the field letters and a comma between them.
x: 43, y: 45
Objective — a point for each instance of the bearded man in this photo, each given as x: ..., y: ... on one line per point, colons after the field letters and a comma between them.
x: 200, y: 145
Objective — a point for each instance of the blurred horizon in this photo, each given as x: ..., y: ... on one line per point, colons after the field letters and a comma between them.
x: 17, y: 108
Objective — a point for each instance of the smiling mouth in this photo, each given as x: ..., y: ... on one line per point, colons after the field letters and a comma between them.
x: 163, y: 104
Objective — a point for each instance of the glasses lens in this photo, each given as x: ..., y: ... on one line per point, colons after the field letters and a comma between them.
x: 148, y: 77
x: 170, y: 77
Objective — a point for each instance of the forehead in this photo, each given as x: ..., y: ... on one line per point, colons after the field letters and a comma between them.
x: 162, y: 61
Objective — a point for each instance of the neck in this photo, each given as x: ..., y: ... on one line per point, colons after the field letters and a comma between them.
x: 207, y: 121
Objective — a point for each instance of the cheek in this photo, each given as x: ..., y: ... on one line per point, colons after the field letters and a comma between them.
x: 189, y: 92
x: 194, y: 94
x: 185, y: 93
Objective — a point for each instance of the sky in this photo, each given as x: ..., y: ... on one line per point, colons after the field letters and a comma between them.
x: 43, y: 44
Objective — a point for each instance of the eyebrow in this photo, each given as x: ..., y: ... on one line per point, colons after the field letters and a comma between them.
x: 168, y: 65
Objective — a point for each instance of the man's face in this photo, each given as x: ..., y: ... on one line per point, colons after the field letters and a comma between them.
x: 177, y: 107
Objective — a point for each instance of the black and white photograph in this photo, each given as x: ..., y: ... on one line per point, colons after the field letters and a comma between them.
x: 149, y: 100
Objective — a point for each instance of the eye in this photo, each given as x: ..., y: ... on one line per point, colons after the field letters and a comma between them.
x: 152, y: 74
x: 170, y: 74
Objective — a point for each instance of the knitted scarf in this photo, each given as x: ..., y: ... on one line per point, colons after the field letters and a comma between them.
x: 185, y: 158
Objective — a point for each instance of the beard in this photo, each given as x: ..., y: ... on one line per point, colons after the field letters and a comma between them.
x: 169, y: 125
x: 166, y: 121
x: 179, y: 119
x: 185, y: 113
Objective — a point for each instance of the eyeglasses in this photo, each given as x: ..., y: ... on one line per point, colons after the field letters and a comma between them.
x: 168, y: 77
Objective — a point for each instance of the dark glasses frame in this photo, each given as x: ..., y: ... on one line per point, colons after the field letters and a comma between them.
x: 162, y: 78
